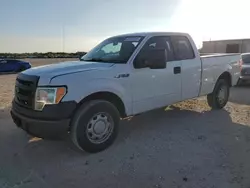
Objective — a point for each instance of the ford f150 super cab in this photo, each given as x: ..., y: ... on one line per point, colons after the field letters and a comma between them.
x: 122, y: 76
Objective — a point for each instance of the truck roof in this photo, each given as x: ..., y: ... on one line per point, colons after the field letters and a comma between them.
x: 144, y: 34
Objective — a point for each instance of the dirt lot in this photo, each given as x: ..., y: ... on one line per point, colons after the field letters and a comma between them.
x: 183, y: 146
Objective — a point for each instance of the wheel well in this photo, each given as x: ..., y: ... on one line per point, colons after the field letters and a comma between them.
x: 226, y: 76
x: 108, y: 96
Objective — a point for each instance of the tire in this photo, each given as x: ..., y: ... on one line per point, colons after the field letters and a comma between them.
x: 241, y: 82
x: 214, y: 100
x: 89, y: 124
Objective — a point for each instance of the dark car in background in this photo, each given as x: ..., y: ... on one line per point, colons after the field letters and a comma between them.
x: 245, y: 69
x: 13, y: 65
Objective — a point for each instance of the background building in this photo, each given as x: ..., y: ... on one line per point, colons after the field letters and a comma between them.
x: 226, y: 46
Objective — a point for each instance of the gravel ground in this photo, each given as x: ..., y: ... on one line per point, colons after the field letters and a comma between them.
x: 182, y: 146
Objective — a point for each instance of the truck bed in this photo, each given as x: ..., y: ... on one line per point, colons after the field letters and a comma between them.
x: 213, y: 65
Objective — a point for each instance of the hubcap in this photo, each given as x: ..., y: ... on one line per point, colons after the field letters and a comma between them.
x: 222, y: 95
x: 99, y: 128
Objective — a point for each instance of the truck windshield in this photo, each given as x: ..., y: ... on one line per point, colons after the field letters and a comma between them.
x: 114, y: 50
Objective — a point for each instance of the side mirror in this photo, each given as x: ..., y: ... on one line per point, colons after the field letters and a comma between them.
x: 156, y: 59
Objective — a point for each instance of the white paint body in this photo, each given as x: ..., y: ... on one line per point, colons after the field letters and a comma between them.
x: 145, y: 89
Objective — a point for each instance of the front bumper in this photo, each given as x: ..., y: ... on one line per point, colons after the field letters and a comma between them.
x: 52, y: 122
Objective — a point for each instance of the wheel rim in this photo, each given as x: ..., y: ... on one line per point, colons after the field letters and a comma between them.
x: 222, y: 95
x: 99, y: 128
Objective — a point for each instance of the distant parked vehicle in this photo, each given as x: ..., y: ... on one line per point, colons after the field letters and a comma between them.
x: 245, y: 69
x: 13, y: 65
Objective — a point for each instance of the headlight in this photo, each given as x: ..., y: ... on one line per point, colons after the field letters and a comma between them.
x: 48, y: 95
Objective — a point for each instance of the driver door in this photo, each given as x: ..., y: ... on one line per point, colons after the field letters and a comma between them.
x: 155, y: 88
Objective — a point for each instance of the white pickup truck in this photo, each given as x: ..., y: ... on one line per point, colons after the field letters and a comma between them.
x: 122, y: 76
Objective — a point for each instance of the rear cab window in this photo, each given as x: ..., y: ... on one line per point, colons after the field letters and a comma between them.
x: 182, y: 48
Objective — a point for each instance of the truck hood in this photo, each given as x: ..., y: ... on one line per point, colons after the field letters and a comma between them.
x: 66, y: 68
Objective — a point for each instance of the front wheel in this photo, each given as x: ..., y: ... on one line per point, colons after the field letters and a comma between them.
x: 219, y: 98
x: 95, y: 126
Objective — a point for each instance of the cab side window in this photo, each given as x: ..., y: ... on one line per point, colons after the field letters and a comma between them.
x: 154, y: 43
x: 182, y: 48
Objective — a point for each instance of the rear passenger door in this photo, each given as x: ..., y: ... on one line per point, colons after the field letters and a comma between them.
x: 190, y: 66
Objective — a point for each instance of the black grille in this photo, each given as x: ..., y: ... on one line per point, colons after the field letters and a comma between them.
x: 25, y: 90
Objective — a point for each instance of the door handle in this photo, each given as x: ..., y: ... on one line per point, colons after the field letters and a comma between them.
x: 177, y: 70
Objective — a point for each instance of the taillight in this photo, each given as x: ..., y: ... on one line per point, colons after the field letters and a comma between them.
x: 240, y: 63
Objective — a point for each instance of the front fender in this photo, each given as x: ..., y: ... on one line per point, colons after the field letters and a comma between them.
x: 78, y: 90
x: 102, y: 85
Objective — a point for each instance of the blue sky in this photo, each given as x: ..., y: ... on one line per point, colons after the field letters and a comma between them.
x: 32, y: 25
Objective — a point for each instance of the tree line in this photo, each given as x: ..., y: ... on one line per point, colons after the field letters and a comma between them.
x: 41, y: 55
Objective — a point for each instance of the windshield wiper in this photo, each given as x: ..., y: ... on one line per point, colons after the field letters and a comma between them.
x: 94, y: 59
x: 102, y: 60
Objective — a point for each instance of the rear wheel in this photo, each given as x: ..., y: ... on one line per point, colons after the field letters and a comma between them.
x: 241, y: 82
x: 219, y: 98
x: 95, y: 126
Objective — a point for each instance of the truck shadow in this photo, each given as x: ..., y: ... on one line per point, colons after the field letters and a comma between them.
x: 177, y: 139
x: 180, y: 120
